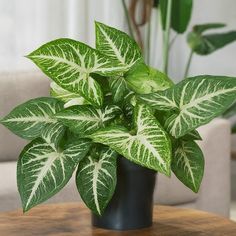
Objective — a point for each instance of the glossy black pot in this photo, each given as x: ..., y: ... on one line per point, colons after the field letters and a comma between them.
x: 132, y: 204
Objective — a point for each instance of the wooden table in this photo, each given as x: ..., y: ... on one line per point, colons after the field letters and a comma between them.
x: 74, y: 219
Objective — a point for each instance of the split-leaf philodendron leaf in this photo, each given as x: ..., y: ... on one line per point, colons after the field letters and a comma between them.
x: 29, y: 119
x: 42, y: 170
x: 149, y: 146
x: 107, y: 101
x: 96, y: 179
x: 188, y: 164
x: 194, y: 102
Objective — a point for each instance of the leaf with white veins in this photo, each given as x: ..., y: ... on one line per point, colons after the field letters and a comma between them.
x: 195, y: 102
x: 117, y: 45
x: 193, y: 135
x: 53, y: 133
x: 119, y: 88
x: 149, y: 147
x: 86, y: 119
x: 188, y: 164
x: 69, y: 63
x: 43, y: 171
x: 66, y: 96
x: 29, y: 119
x: 96, y: 179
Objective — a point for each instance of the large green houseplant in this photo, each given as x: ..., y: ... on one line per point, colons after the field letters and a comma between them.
x: 107, y: 103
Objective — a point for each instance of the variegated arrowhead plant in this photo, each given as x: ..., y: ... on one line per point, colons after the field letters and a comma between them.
x: 106, y: 102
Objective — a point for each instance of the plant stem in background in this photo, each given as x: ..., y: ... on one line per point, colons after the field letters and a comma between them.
x: 127, y: 18
x: 148, y: 41
x: 172, y: 41
x: 166, y: 37
x: 188, y: 64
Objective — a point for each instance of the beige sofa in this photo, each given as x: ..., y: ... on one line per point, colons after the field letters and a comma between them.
x: 214, y: 195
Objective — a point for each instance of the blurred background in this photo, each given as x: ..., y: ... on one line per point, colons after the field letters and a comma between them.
x: 27, y: 24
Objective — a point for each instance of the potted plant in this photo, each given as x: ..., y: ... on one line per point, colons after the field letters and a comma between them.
x: 116, y: 121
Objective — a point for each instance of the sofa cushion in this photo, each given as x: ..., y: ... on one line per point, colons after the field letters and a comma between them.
x: 170, y: 191
x: 10, y: 198
x: 16, y: 88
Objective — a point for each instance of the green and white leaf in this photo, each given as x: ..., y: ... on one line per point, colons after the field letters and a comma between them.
x: 53, y: 133
x: 86, y: 119
x: 149, y: 146
x: 96, y: 179
x: 193, y: 135
x: 119, y: 88
x: 144, y: 79
x: 196, y: 101
x: 43, y: 171
x: 75, y: 102
x: 69, y: 63
x: 29, y: 119
x: 188, y: 164
x: 230, y: 112
x: 66, y: 96
x: 117, y: 45
x: 162, y: 101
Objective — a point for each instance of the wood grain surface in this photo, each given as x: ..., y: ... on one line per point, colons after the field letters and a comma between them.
x: 72, y: 219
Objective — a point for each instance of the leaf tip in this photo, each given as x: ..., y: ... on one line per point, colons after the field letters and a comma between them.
x: 98, y: 23
x: 3, y: 120
x: 195, y: 189
x: 29, y: 56
x: 168, y: 173
x: 25, y: 208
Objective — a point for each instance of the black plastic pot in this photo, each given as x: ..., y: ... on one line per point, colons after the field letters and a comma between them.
x: 132, y: 204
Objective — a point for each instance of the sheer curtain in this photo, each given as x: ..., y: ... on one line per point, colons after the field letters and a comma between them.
x: 26, y: 24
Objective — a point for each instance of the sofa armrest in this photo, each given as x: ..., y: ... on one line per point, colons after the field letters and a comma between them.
x: 214, y: 195
x: 17, y: 87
